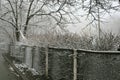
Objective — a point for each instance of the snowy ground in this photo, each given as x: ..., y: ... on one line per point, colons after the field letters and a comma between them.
x: 5, y: 72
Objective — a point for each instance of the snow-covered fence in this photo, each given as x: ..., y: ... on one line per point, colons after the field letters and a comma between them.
x: 70, y: 64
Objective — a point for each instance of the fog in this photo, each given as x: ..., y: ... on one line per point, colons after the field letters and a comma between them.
x: 111, y: 24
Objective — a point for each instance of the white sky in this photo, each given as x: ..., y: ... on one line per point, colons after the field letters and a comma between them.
x: 112, y: 24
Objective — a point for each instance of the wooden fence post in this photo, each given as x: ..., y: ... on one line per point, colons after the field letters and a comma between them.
x: 9, y: 50
x: 33, y: 55
x: 46, y: 62
x: 75, y: 64
x: 22, y: 51
x: 24, y: 54
x: 12, y: 49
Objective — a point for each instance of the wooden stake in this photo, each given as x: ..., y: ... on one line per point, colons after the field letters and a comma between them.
x: 24, y: 54
x: 33, y: 55
x: 46, y: 60
x: 75, y: 65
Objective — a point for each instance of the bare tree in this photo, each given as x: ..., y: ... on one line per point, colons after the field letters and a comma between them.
x: 20, y: 13
x: 104, y: 6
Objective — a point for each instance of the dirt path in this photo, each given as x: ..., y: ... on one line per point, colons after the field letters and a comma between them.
x: 5, y: 72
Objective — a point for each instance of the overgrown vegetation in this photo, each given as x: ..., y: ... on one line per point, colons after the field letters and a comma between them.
x: 108, y: 41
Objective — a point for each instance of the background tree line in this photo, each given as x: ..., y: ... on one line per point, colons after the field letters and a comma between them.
x: 21, y: 15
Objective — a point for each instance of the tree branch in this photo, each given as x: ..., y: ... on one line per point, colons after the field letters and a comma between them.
x: 11, y: 7
x: 29, y: 9
x: 8, y: 22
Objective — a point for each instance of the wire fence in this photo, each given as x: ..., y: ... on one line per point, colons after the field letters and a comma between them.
x: 69, y: 64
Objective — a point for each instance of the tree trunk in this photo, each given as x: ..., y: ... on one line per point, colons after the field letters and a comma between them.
x: 26, y: 27
x: 17, y: 34
x: 25, y: 30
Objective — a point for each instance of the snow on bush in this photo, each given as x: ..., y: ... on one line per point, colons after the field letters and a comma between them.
x: 23, y: 68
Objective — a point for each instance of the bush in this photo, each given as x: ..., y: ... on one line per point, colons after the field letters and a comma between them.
x: 108, y: 41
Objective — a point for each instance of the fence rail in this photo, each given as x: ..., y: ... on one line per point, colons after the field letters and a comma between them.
x: 69, y: 64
